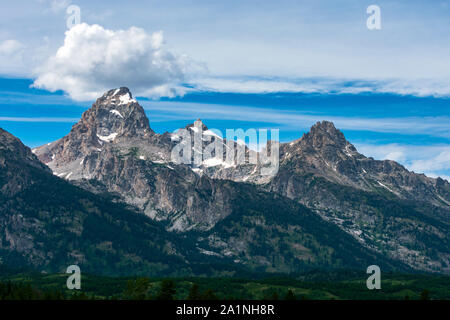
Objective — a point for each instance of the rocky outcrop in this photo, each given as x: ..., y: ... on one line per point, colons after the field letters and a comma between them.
x: 13, y: 155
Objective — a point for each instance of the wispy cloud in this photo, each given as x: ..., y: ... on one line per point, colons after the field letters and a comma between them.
x: 432, y: 160
x: 414, y: 87
x: 11, y: 46
x: 284, y: 39
x: 39, y: 119
x: 12, y: 52
x: 21, y: 98
x: 56, y: 6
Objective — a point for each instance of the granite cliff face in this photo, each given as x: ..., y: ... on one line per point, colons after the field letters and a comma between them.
x: 324, y: 152
x: 385, y: 208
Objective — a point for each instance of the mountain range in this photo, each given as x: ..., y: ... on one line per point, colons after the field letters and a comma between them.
x: 110, y: 197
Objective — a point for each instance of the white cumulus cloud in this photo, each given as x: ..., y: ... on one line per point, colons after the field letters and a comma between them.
x: 94, y: 59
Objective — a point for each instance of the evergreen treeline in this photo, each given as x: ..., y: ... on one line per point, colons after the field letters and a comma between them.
x: 414, y: 287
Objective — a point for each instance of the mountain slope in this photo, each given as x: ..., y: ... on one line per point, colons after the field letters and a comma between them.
x: 270, y: 233
x: 49, y: 224
x: 385, y: 208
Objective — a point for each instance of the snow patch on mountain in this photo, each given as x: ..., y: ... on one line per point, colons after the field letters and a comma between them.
x: 126, y: 99
x: 108, y: 138
x: 213, y: 162
x: 117, y: 113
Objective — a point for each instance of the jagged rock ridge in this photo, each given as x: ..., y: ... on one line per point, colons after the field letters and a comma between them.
x: 325, y: 152
x: 113, y: 149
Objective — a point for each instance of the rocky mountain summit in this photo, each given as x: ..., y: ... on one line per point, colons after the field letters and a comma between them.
x: 385, y: 208
x: 115, y: 119
x: 325, y: 152
x: 113, y: 149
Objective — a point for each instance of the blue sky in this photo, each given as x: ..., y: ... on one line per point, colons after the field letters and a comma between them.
x: 238, y: 64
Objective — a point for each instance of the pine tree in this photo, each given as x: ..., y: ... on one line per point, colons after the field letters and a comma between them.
x: 290, y: 295
x: 209, y: 295
x: 194, y: 293
x: 425, y: 295
x: 137, y: 289
x: 167, y: 290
